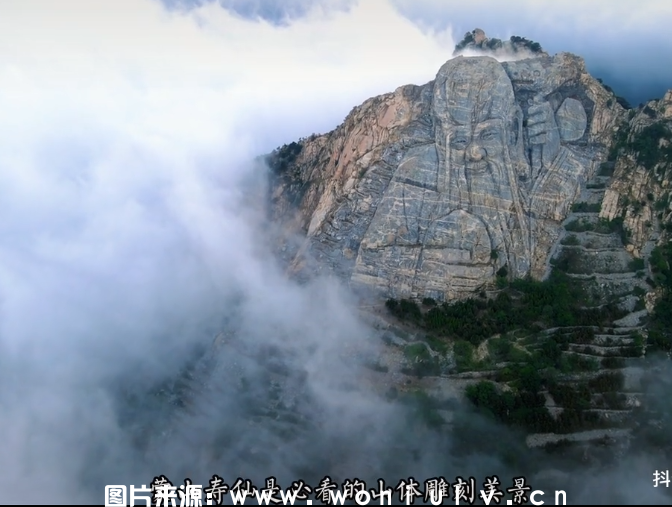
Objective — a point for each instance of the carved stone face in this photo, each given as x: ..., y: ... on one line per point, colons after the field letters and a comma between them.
x: 476, y: 131
x: 478, y: 150
x: 478, y: 134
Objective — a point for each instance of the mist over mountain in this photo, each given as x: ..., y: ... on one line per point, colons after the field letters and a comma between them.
x: 154, y: 316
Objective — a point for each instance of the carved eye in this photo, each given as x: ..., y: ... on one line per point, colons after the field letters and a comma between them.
x: 489, y: 135
x: 459, y: 143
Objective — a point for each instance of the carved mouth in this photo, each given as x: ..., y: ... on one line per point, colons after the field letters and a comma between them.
x: 523, y: 81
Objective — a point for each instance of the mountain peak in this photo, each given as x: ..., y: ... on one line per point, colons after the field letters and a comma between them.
x: 477, y: 42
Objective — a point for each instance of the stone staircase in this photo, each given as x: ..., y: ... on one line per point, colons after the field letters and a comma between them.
x: 593, y: 255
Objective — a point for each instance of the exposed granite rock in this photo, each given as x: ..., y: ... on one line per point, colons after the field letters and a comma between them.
x: 640, y: 190
x: 431, y: 190
x: 666, y: 105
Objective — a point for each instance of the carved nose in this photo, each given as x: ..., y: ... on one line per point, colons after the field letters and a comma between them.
x: 475, y: 152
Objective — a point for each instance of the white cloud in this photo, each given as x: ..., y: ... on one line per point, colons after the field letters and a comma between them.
x: 125, y: 131
x: 134, y: 49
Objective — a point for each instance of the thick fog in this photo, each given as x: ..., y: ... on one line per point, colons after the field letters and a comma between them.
x: 132, y: 234
x: 128, y: 238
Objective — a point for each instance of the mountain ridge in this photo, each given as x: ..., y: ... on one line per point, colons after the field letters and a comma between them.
x: 571, y: 360
x: 323, y: 183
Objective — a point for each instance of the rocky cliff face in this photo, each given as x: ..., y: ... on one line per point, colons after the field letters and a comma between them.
x: 599, y: 354
x: 641, y: 159
x: 432, y: 190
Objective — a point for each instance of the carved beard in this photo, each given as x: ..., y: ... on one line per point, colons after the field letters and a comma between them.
x: 485, y: 175
x: 514, y: 222
x: 485, y: 181
x: 497, y: 204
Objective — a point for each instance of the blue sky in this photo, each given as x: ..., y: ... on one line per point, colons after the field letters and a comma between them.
x: 626, y: 43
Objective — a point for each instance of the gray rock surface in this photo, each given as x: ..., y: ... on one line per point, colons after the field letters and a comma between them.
x: 431, y: 190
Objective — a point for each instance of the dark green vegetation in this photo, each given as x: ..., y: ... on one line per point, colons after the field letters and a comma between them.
x: 660, y: 328
x: 523, y: 304
x: 517, y: 43
x: 619, y: 144
x: 535, y: 47
x: 421, y: 360
x: 662, y: 203
x: 280, y: 159
x: 650, y: 146
x: 536, y: 364
x: 540, y: 336
x: 570, y: 240
x: 544, y: 368
x: 525, y: 407
x: 584, y: 207
x: 647, y: 145
x: 600, y: 227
